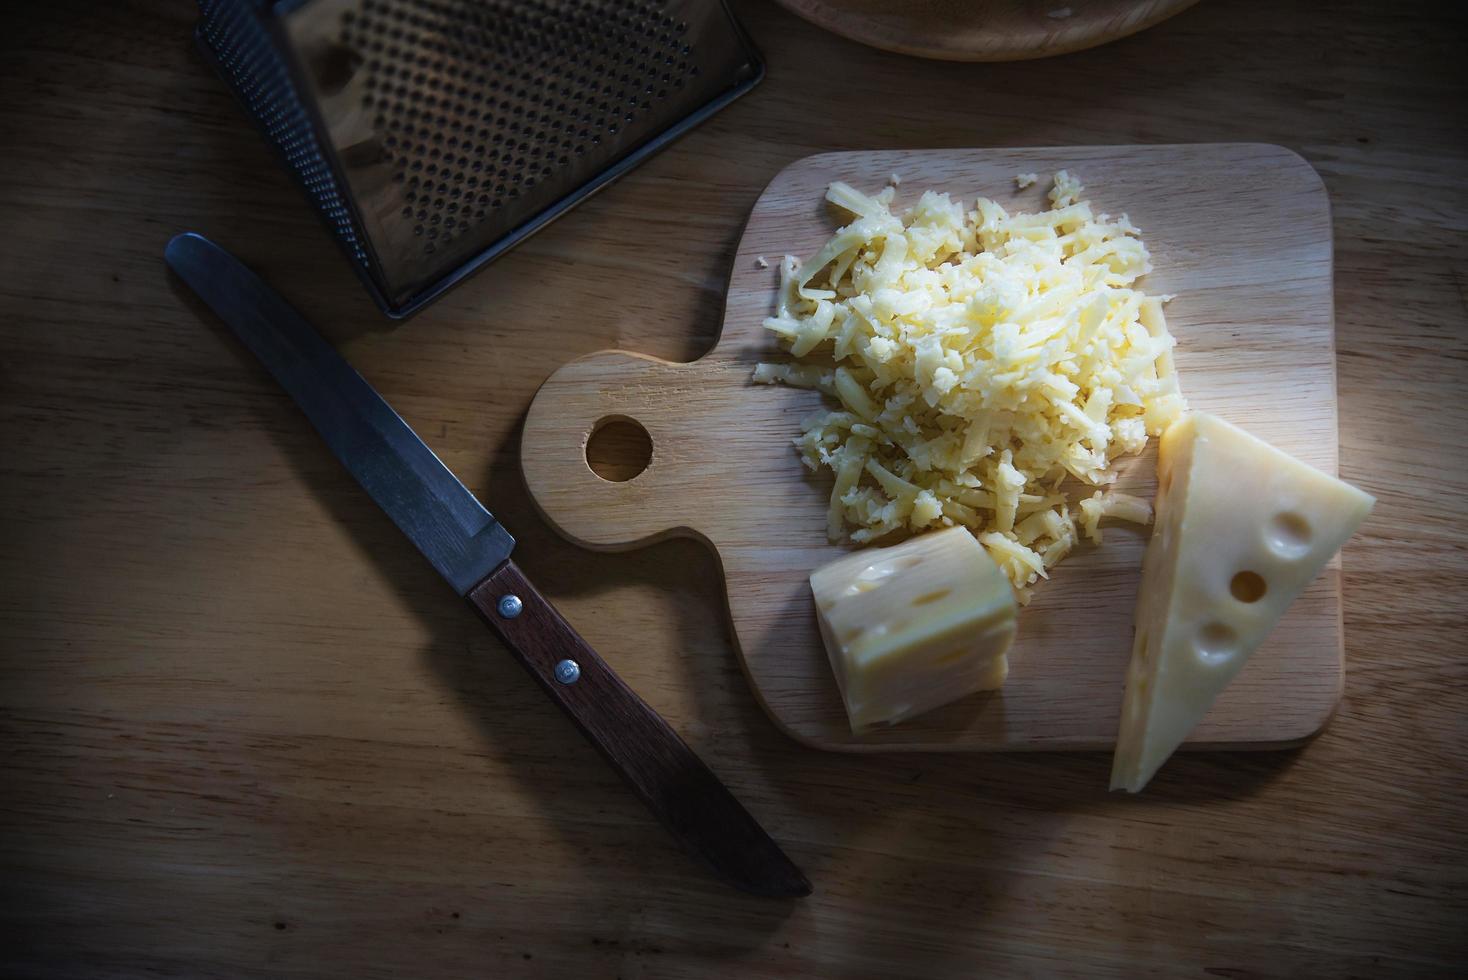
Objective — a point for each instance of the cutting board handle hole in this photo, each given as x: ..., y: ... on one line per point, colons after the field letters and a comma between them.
x: 618, y: 449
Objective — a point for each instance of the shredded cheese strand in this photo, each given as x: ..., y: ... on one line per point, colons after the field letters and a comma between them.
x: 979, y: 360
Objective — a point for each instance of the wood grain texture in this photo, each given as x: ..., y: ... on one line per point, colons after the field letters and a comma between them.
x: 985, y: 30
x: 1239, y: 233
x: 248, y: 732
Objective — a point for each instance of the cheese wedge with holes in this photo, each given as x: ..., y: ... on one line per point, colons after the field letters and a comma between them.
x: 914, y: 626
x: 1241, y: 530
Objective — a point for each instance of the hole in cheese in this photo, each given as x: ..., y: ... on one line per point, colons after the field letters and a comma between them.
x: 618, y: 449
x: 931, y: 597
x: 1216, y: 643
x: 1247, y: 586
x: 1288, y: 535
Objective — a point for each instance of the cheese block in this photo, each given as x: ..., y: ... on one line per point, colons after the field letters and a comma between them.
x: 1241, y: 529
x: 914, y: 626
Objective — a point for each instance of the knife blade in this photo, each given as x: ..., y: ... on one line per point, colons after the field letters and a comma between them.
x: 471, y: 550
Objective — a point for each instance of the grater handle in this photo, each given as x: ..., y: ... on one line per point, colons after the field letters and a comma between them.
x: 681, y: 407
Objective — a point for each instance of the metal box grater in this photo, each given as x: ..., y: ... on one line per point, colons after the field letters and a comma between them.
x: 434, y: 135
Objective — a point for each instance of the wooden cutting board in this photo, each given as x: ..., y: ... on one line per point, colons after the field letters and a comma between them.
x: 1240, y: 233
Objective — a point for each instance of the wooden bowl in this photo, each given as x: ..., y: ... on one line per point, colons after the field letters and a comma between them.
x: 985, y: 30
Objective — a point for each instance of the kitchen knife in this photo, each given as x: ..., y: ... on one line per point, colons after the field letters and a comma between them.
x: 472, y: 551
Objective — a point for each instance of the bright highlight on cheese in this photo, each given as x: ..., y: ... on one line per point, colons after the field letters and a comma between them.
x: 979, y: 359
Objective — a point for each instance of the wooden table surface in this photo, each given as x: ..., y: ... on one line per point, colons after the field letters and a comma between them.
x: 248, y: 732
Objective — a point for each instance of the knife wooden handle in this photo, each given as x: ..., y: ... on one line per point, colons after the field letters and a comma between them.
x: 660, y: 767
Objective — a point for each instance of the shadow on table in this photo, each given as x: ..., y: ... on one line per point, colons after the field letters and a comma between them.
x: 934, y: 846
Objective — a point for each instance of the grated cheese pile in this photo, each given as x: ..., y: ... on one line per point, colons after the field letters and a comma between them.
x: 979, y: 360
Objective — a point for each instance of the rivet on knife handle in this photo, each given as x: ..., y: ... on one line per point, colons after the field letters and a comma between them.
x: 659, y: 766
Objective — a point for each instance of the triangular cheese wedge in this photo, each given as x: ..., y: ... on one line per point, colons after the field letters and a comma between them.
x: 1241, y: 529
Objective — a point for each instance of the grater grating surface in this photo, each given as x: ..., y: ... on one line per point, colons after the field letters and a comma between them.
x: 433, y: 135
x: 244, y: 55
